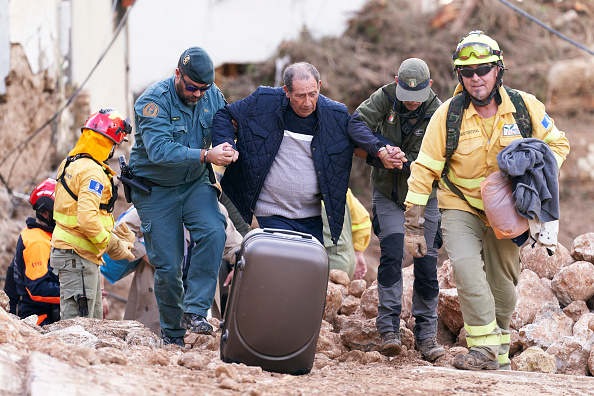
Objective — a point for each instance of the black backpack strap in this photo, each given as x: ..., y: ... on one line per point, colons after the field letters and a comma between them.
x: 390, y: 98
x: 522, y: 116
x: 454, y: 121
x: 114, y: 189
x: 453, y: 124
x: 61, y: 179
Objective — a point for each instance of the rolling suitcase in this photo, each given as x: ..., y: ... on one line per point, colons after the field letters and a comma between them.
x: 276, y: 303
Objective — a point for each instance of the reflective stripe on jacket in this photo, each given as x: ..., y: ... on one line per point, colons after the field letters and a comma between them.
x: 81, y: 225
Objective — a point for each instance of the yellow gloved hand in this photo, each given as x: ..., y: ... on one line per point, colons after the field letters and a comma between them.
x: 414, y: 232
x: 123, y: 232
x: 119, y: 249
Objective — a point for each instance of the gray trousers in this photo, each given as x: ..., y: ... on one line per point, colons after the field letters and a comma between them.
x: 388, y: 225
x: 71, y: 268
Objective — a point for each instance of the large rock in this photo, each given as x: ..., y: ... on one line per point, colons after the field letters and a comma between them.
x: 534, y: 360
x: 514, y: 343
x: 445, y: 275
x: 444, y: 334
x: 585, y: 322
x: 583, y: 247
x: 11, y: 373
x: 75, y: 335
x: 333, y: 302
x: 572, y: 354
x: 550, y: 325
x: 538, y: 260
x: 532, y: 295
x: 357, y: 287
x: 360, y: 334
x: 370, y: 301
x: 329, y: 343
x: 9, y: 330
x: 339, y: 277
x: 591, y: 362
x: 574, y: 282
x: 448, y: 308
x: 576, y: 309
x: 4, y: 301
x: 349, y: 305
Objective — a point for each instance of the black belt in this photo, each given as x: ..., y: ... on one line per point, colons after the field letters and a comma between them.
x: 71, y: 251
x: 148, y: 183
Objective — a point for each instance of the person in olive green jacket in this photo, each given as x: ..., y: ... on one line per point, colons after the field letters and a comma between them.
x: 389, y: 126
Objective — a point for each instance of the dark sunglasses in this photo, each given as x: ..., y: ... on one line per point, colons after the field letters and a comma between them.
x: 480, y: 71
x: 193, y: 88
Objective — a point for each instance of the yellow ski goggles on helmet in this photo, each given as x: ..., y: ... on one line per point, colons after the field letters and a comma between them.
x: 479, y: 50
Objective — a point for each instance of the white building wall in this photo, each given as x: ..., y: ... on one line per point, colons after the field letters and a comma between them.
x: 92, y: 30
x: 232, y: 31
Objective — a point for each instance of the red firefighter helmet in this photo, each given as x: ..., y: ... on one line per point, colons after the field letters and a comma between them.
x: 43, y: 196
x: 109, y: 123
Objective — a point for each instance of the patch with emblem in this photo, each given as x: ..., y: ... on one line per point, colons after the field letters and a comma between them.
x: 186, y: 59
x: 392, y: 117
x: 546, y: 122
x: 412, y: 83
x: 419, y: 132
x: 96, y: 187
x: 511, y: 130
x: 150, y: 110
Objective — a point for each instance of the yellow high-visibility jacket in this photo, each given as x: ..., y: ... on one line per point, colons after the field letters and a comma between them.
x: 360, y: 222
x: 81, y: 225
x: 476, y: 155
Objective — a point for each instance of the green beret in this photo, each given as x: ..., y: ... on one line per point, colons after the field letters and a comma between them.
x: 197, y: 65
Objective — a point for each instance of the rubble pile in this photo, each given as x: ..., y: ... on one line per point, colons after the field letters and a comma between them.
x: 552, y: 327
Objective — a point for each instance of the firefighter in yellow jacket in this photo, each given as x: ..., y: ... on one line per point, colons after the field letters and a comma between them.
x: 486, y: 269
x: 85, y: 197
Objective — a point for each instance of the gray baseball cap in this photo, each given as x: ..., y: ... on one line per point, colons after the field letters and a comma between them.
x: 413, y: 81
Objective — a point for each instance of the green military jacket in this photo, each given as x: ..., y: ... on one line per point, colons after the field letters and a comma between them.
x: 380, y: 114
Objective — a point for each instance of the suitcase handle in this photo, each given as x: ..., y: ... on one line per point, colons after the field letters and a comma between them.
x: 287, y: 232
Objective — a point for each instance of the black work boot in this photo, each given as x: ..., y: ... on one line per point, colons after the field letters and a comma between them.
x: 196, y: 323
x: 430, y: 349
x: 474, y: 360
x: 179, y: 341
x: 391, y: 344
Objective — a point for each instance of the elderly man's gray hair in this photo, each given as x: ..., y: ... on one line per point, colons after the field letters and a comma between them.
x: 299, y: 71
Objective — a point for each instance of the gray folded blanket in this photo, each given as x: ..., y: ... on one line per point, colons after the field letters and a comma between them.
x: 534, y: 171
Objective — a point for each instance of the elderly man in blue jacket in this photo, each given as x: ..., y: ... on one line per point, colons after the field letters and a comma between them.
x: 291, y: 152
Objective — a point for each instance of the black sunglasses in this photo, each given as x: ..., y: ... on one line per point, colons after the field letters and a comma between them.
x: 480, y: 71
x: 193, y: 88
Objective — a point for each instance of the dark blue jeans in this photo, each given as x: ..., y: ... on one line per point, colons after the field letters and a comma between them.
x: 308, y: 225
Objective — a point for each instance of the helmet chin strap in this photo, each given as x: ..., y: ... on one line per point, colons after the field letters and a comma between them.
x: 51, y: 223
x: 494, y: 91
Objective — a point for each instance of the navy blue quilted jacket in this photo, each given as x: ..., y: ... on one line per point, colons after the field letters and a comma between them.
x: 259, y: 134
